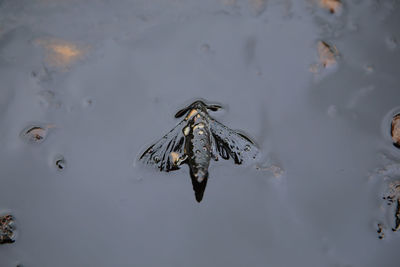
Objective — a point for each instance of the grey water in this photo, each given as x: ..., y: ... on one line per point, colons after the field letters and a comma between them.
x: 103, y: 80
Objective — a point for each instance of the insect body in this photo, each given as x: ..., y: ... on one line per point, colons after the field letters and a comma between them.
x: 196, y: 140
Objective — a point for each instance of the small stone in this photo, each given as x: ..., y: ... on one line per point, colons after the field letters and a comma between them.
x: 7, y: 231
x: 395, y: 130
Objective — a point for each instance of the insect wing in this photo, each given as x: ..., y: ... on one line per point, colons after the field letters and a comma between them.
x: 165, y: 153
x: 231, y: 144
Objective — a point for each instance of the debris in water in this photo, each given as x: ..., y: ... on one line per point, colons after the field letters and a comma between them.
x: 7, y: 233
x: 327, y: 54
x: 395, y: 130
x: 392, y: 197
x: 380, y: 232
x: 88, y: 103
x: 397, y: 217
x: 35, y: 133
x: 334, y: 6
x: 59, y: 162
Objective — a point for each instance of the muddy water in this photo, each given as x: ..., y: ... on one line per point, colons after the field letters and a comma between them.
x: 103, y: 81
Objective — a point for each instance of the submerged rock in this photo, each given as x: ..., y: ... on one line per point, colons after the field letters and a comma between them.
x: 7, y: 233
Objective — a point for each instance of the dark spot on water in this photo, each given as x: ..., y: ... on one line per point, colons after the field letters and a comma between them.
x: 60, y: 162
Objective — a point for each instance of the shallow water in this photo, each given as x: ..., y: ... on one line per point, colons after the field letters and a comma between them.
x: 104, y: 78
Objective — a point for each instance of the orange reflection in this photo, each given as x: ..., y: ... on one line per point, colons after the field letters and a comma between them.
x: 60, y: 53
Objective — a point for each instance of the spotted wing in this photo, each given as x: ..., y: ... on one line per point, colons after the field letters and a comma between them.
x: 166, y: 151
x: 231, y: 144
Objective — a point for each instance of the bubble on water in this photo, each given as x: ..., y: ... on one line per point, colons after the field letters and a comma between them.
x: 156, y: 159
x: 247, y: 148
x: 7, y: 229
x: 60, y: 162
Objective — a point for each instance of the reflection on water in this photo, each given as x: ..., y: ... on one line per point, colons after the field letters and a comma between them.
x: 111, y: 73
x: 60, y: 53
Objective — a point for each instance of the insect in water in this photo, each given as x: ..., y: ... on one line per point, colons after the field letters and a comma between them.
x: 196, y: 140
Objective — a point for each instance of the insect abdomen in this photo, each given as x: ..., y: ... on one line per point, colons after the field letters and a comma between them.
x: 198, y: 147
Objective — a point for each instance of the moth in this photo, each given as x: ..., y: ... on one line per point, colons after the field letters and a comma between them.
x: 196, y: 140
